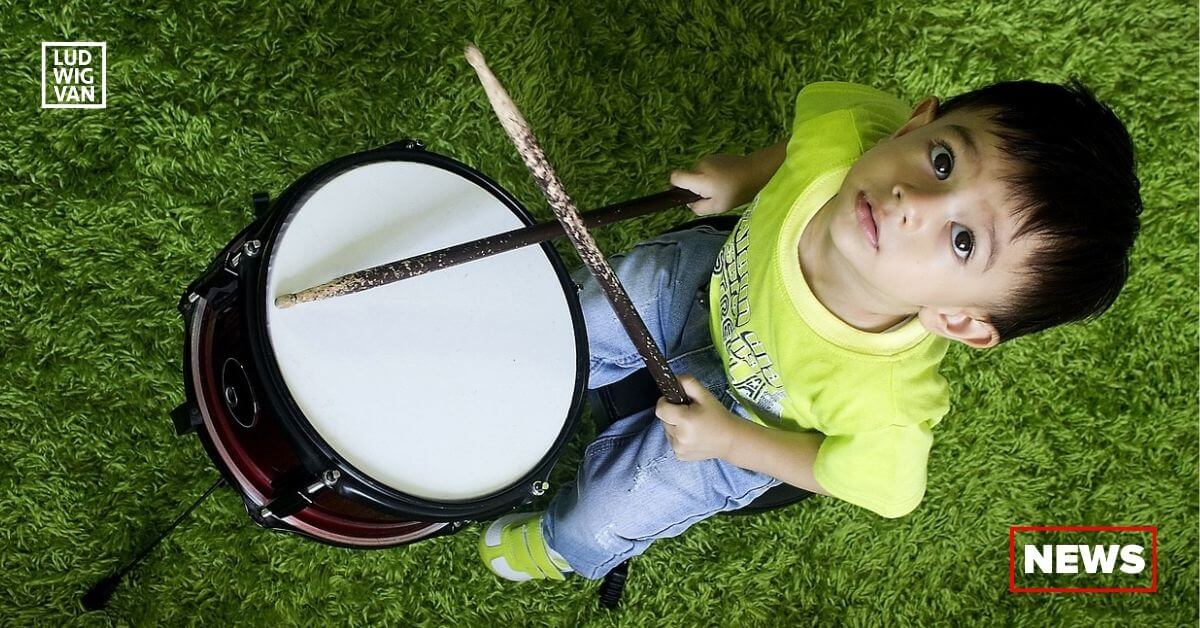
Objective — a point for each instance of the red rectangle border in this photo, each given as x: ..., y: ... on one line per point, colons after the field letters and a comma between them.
x: 1012, y: 559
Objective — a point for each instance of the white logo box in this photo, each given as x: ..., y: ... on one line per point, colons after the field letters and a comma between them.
x: 103, y: 46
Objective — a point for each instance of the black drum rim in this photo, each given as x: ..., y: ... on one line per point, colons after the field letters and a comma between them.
x: 316, y: 453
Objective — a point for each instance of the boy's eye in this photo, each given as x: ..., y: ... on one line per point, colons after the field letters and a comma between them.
x: 942, y: 159
x: 962, y: 240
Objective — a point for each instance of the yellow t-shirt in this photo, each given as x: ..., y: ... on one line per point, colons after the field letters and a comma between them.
x: 791, y: 363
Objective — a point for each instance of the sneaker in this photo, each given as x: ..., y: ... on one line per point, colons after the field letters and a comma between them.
x: 513, y: 548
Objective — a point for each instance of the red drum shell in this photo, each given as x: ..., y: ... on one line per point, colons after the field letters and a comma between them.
x: 255, y: 459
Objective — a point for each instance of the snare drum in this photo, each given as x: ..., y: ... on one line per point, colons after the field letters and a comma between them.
x: 398, y: 413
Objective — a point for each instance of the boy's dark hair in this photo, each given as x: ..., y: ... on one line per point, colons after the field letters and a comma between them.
x: 1076, y: 189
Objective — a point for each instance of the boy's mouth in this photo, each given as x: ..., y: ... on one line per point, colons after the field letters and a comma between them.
x: 866, y: 220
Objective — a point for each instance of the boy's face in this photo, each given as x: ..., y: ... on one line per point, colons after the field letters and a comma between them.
x: 925, y: 220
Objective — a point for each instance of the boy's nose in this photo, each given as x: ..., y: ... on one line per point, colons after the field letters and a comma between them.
x: 908, y: 201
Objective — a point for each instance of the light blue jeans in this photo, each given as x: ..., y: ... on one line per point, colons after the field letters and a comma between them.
x: 630, y: 488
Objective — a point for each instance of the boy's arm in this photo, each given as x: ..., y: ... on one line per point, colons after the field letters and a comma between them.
x: 728, y: 181
x: 705, y: 429
x: 788, y: 456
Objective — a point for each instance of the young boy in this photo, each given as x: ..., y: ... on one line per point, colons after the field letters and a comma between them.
x: 875, y: 237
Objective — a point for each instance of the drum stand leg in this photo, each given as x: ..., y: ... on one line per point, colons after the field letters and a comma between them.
x: 614, y: 586
x: 97, y: 597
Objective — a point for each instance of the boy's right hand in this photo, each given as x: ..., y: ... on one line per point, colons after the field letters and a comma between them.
x: 719, y: 179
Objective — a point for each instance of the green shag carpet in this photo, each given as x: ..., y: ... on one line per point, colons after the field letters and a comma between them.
x: 106, y: 215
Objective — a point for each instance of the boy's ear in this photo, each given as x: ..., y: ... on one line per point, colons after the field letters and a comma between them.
x: 922, y: 114
x: 960, y: 326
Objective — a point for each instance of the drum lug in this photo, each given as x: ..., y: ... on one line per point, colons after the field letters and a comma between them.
x: 539, y: 488
x: 262, y: 203
x: 186, y: 419
x: 293, y: 501
x: 187, y: 302
x: 406, y: 144
x: 250, y: 249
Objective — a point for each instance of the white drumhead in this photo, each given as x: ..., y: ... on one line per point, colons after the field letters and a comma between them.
x: 447, y: 386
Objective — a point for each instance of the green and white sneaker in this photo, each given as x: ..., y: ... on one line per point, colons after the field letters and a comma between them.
x: 513, y: 548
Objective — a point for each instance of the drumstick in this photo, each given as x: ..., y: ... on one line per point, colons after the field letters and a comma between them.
x: 564, y: 210
x: 391, y: 272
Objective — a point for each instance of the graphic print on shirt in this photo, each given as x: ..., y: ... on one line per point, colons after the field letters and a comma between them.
x: 751, y: 371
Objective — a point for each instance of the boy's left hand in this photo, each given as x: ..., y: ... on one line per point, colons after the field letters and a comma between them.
x: 700, y: 430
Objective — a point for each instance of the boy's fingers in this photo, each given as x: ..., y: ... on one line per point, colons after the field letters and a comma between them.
x: 679, y: 178
x: 693, y: 387
x: 662, y: 409
x: 690, y: 180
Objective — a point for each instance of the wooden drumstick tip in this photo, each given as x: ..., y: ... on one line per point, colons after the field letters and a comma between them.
x: 503, y: 105
x: 474, y: 57
x: 284, y: 301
